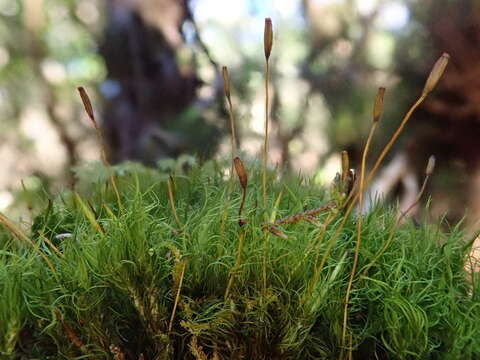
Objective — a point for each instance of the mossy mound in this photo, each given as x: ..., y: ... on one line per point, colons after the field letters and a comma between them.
x: 134, y: 282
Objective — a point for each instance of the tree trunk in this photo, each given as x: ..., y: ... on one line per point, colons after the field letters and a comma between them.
x: 146, y: 88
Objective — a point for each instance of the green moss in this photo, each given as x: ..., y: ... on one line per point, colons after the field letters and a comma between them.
x: 113, y: 292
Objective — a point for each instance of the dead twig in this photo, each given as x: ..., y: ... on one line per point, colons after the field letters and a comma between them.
x: 306, y: 215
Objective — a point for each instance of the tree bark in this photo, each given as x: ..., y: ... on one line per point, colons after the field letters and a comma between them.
x: 146, y: 87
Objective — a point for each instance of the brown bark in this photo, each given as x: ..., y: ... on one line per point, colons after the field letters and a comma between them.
x: 147, y: 88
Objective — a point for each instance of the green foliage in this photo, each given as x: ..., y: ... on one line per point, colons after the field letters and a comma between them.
x: 148, y: 286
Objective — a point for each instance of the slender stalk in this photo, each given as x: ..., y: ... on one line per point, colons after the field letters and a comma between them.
x: 15, y: 230
x: 394, y: 137
x: 376, y: 118
x: 266, y: 244
x: 268, y: 42
x: 226, y: 87
x: 350, y: 345
x: 428, y: 173
x: 177, y: 296
x: 53, y: 247
x: 89, y: 214
x: 89, y: 110
x: 227, y: 90
x: 238, y: 262
x: 355, y: 197
x: 265, y: 145
x: 318, y: 269
x: 19, y: 234
x: 172, y: 204
x: 264, y: 175
x: 432, y: 80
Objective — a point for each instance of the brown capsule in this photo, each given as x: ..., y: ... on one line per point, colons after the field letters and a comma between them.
x: 268, y: 38
x: 436, y: 73
x: 430, y: 165
x: 352, y: 178
x: 241, y: 172
x: 377, y: 110
x: 86, y: 103
x: 345, y: 166
x: 226, y: 81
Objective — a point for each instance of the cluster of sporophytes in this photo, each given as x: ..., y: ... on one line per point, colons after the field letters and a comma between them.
x: 143, y: 264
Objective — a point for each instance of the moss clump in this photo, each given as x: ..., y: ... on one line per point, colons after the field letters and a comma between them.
x: 137, y: 283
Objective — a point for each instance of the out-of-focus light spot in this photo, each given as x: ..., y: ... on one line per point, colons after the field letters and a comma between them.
x: 9, y: 7
x: 206, y: 92
x: 57, y: 11
x: 226, y: 12
x: 3, y: 97
x: 49, y: 153
x: 393, y: 16
x: 188, y: 31
x: 4, y: 57
x: 53, y: 71
x: 87, y: 12
x: 326, y: 174
x: 365, y: 7
x: 257, y: 123
x: 296, y: 146
x: 380, y: 50
x: 32, y: 183
x: 33, y: 123
x: 6, y: 199
x: 110, y: 88
x: 60, y: 35
x: 342, y: 48
x: 86, y: 68
x: 327, y: 2
x: 287, y: 9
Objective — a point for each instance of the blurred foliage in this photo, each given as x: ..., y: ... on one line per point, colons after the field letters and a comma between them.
x: 328, y: 59
x: 47, y: 48
x: 46, y: 43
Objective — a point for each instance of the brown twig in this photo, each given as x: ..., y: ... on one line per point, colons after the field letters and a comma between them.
x: 304, y: 215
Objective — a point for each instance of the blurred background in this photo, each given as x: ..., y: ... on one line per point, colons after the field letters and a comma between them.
x: 152, y: 68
